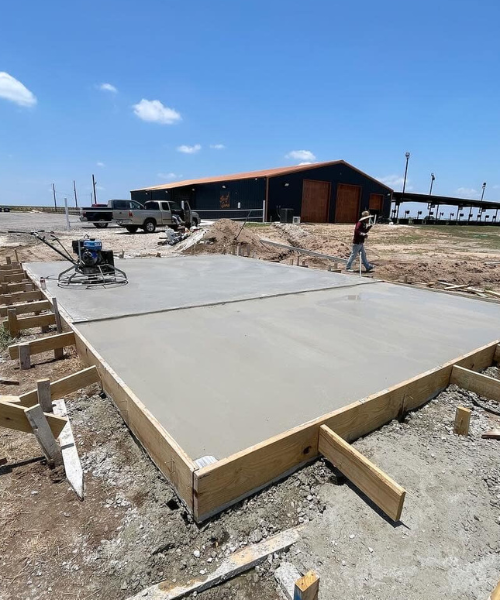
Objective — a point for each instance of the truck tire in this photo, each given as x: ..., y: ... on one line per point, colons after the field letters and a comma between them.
x: 132, y: 228
x: 101, y: 225
x: 149, y: 226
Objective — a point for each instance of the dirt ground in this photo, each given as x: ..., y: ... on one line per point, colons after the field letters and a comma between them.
x: 131, y: 532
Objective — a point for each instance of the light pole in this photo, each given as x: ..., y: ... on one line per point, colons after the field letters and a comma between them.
x: 432, y: 183
x: 407, y: 154
x: 484, y: 187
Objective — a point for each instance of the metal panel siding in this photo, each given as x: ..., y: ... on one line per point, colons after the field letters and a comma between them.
x: 209, y: 197
x: 281, y: 196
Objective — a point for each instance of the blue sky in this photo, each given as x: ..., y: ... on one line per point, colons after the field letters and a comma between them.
x: 204, y: 88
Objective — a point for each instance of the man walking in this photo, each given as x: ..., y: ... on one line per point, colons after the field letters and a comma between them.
x: 358, y: 243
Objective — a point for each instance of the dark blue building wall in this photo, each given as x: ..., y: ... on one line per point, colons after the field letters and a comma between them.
x: 215, y: 200
x: 282, y: 196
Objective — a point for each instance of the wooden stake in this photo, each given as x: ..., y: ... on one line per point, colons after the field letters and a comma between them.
x: 12, y: 323
x: 44, y: 395
x: 44, y: 434
x: 462, y: 421
x: 58, y: 352
x: 307, y: 587
x: 24, y: 356
x: 17, y: 256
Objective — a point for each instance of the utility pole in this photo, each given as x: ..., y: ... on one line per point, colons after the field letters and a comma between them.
x: 76, y: 197
x: 54, y: 193
x: 484, y: 187
x: 93, y: 185
x: 432, y: 183
x: 407, y: 155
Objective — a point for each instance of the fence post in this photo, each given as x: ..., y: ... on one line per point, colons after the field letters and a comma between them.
x: 24, y: 356
x: 263, y: 211
x: 12, y: 322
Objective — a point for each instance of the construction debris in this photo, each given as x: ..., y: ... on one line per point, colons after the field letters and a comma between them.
x: 237, y: 563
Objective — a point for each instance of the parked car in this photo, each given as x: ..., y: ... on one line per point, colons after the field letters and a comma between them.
x: 159, y: 212
x: 4, y: 209
x: 101, y: 215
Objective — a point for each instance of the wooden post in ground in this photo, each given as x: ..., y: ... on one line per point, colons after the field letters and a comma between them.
x: 44, y: 395
x: 44, y: 435
x: 462, y: 421
x: 12, y: 322
x: 17, y: 257
x: 58, y: 352
x: 24, y: 356
x: 29, y: 287
x: 307, y: 587
x: 8, y: 260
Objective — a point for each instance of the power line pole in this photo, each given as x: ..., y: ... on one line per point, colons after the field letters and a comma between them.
x: 76, y: 197
x: 54, y: 193
x: 93, y: 185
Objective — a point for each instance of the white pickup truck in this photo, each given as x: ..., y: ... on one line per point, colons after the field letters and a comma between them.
x: 159, y: 213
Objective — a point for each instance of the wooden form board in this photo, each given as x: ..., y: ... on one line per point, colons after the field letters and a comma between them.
x: 227, y: 481
x: 29, y: 307
x: 13, y: 416
x: 374, y: 483
x: 34, y: 321
x: 9, y: 299
x: 489, y: 387
x: 64, y: 386
x: 46, y: 344
x: 164, y: 451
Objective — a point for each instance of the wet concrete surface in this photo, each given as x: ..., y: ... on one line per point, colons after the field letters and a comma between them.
x: 222, y: 378
x: 157, y: 284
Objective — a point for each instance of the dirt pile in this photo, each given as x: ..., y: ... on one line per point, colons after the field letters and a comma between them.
x: 224, y: 236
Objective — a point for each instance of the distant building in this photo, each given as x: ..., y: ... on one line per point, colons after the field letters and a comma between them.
x: 328, y: 192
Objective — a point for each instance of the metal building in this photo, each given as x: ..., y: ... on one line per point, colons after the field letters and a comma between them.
x: 328, y: 192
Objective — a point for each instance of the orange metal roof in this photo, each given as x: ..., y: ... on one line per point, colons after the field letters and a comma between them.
x: 252, y: 175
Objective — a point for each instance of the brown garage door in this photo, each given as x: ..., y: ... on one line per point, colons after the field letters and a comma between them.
x: 315, y: 201
x: 347, y: 208
x: 376, y: 203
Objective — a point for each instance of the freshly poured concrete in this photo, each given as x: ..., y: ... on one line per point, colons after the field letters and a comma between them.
x: 222, y: 378
x: 164, y: 284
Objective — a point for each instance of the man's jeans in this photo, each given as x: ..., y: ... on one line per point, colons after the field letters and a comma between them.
x: 357, y: 249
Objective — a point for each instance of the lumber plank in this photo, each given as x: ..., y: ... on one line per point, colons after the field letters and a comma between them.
x: 495, y: 594
x: 307, y: 587
x: 43, y: 433
x: 10, y: 266
x: 372, y: 481
x: 8, y: 398
x: 163, y: 450
x: 239, y: 562
x: 44, y: 395
x: 35, y: 321
x: 29, y: 307
x: 14, y: 417
x: 16, y: 287
x: 462, y: 421
x: 45, y: 344
x: 231, y: 479
x: 9, y: 299
x: 492, y: 434
x: 476, y: 382
x: 72, y: 464
x: 13, y: 278
x: 496, y: 358
x: 64, y: 386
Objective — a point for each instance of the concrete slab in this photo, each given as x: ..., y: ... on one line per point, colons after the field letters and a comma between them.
x: 157, y: 284
x: 222, y: 378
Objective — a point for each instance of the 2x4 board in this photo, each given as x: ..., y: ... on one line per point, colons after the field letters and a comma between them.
x: 243, y: 361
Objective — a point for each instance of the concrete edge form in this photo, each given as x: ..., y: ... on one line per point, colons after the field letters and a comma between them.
x: 228, y: 481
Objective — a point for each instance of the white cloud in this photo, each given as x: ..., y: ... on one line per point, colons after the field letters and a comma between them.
x: 303, y: 155
x: 189, y: 149
x: 100, y: 164
x: 13, y: 90
x: 169, y: 176
x: 217, y: 146
x: 307, y: 162
x: 107, y: 87
x: 463, y: 192
x: 100, y: 188
x: 154, y: 112
x: 396, y: 181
